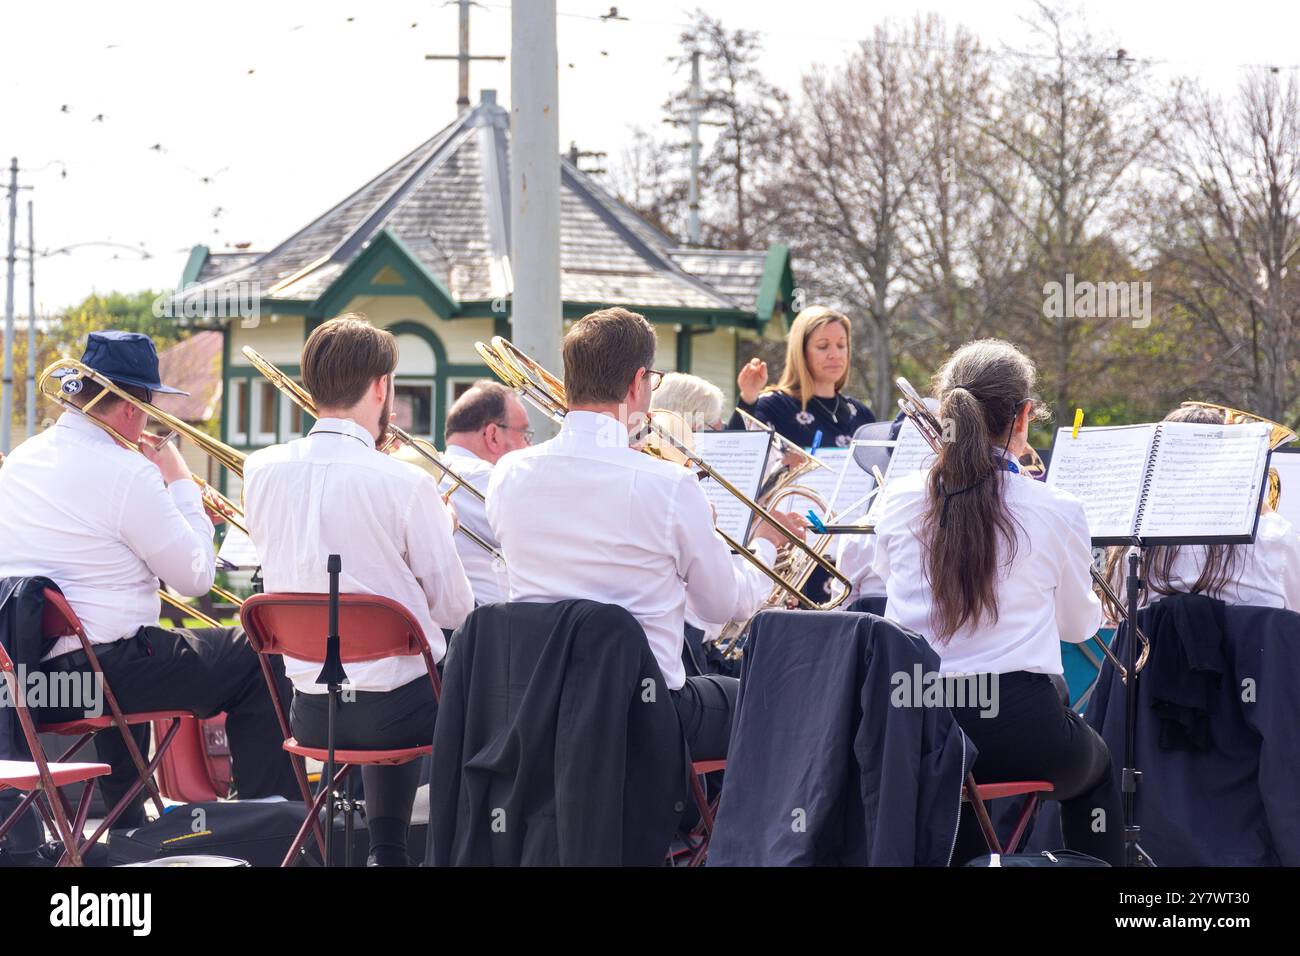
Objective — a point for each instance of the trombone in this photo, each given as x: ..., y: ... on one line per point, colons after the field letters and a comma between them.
x: 206, y: 619
x: 535, y: 384
x: 67, y: 377
x: 408, y: 446
x: 914, y: 407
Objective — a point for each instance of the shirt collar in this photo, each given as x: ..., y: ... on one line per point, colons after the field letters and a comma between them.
x: 81, y: 423
x: 594, y: 428
x: 344, y: 426
x: 460, y: 451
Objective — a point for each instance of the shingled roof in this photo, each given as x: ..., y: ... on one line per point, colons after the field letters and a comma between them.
x: 446, y: 204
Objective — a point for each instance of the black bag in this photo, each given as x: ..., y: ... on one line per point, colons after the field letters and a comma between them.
x: 1043, y: 858
x: 257, y: 832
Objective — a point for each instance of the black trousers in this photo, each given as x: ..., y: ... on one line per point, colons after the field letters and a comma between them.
x: 1036, y: 737
x: 705, y: 705
x: 206, y: 671
x: 376, y: 720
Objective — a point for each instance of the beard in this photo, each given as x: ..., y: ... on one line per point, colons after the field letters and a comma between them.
x: 384, y: 415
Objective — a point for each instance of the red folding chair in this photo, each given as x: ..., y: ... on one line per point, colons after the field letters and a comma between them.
x: 61, y: 621
x: 698, y: 841
x: 976, y: 793
x: 42, y: 782
x: 370, y: 628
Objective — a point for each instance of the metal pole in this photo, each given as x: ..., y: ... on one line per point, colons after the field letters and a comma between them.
x: 31, y: 322
x: 693, y: 201
x: 536, y: 320
x: 7, y: 400
x: 462, y: 100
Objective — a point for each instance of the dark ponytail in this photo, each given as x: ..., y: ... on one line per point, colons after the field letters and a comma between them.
x: 967, y: 529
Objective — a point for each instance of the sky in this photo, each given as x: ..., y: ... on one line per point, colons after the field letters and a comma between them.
x: 189, y: 123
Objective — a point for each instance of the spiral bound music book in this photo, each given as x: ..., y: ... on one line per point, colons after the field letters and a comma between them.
x: 1166, y: 483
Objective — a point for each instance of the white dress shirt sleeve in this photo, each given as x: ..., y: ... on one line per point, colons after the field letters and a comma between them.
x: 1078, y: 609
x: 169, y: 530
x: 856, y: 563
x: 720, y: 586
x: 432, y: 556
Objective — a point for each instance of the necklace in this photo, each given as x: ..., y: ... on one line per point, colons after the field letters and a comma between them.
x: 833, y: 410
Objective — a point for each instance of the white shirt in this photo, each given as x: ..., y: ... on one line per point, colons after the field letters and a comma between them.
x: 332, y: 493
x: 855, y: 562
x: 584, y: 516
x: 1267, y: 572
x: 1044, y: 594
x: 78, y: 508
x: 487, y: 575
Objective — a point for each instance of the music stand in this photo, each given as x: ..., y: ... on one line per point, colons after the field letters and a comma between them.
x: 332, y: 676
x: 1134, y: 855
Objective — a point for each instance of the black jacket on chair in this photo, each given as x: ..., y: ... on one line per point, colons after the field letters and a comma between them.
x: 1236, y: 802
x: 22, y: 605
x: 557, y: 742
x: 825, y: 766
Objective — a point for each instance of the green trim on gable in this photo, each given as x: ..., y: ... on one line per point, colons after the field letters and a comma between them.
x: 387, y: 251
x: 776, y: 287
x: 194, y: 265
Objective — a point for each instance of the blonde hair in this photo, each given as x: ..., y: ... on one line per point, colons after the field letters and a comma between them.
x: 690, y: 396
x: 796, y: 379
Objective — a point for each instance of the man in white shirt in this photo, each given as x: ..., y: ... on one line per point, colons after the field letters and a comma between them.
x: 333, y: 493
x: 585, y: 516
x: 105, y: 523
x: 485, y: 423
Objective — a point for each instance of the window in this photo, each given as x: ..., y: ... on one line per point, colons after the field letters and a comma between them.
x: 290, y: 419
x: 414, y: 407
x: 238, y: 424
x: 265, y: 398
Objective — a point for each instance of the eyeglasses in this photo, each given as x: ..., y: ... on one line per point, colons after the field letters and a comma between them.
x: 656, y: 377
x: 525, y: 431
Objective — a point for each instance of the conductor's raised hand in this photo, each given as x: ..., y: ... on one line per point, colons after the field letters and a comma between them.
x: 750, y: 381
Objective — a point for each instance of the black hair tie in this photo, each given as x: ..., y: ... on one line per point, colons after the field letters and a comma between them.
x: 948, y: 496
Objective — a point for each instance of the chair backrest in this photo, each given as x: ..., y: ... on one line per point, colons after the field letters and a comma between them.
x: 371, y: 627
x: 58, y: 619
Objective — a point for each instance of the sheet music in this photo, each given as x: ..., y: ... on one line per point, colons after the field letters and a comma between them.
x: 1288, y: 469
x: 740, y: 457
x: 1205, y: 481
x: 842, y: 471
x: 912, y: 453
x: 239, y: 550
x: 1104, y: 468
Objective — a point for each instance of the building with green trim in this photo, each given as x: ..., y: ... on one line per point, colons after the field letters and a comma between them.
x: 423, y: 249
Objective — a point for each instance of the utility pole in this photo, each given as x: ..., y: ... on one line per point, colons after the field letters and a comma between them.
x: 537, y: 323
x: 31, y: 322
x: 463, y: 57
x: 693, y: 197
x: 7, y: 401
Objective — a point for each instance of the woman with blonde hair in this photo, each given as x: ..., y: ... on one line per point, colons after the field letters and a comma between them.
x: 808, y: 398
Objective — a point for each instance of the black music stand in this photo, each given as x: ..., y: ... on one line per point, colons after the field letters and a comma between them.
x: 333, y: 676
x: 1134, y: 855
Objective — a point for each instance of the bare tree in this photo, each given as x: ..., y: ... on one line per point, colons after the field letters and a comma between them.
x: 1072, y: 123
x: 853, y: 160
x: 1231, y: 243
